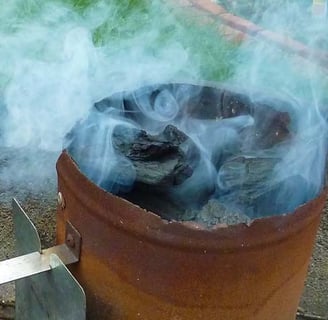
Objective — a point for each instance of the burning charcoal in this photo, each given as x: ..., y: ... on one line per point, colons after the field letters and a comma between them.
x: 119, y: 157
x: 272, y: 198
x: 271, y: 127
x: 234, y: 104
x: 277, y: 130
x: 246, y: 171
x: 248, y: 185
x: 214, y: 103
x: 162, y: 103
x: 233, y: 158
x: 243, y: 179
x: 206, y: 104
x: 158, y: 160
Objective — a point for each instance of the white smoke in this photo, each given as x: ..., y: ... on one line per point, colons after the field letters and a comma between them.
x: 263, y: 67
x: 51, y: 72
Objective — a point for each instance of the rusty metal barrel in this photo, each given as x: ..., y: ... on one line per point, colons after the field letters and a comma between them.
x: 135, y: 265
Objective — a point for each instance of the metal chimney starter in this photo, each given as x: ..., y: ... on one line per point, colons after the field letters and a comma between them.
x: 135, y: 265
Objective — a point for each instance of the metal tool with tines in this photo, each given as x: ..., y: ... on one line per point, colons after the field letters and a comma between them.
x: 45, y: 289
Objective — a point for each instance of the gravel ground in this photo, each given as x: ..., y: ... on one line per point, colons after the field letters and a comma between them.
x: 315, y: 297
x: 41, y: 208
x: 35, y: 188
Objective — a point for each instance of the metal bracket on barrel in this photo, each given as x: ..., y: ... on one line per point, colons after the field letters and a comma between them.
x: 45, y: 288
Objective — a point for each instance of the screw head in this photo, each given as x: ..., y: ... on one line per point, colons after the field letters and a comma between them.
x: 61, y: 200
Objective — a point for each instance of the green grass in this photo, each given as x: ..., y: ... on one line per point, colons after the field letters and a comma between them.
x: 206, y: 48
x: 120, y: 29
x: 129, y: 24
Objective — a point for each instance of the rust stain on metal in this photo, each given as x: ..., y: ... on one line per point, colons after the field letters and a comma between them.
x: 135, y: 265
x: 73, y: 239
x: 70, y: 241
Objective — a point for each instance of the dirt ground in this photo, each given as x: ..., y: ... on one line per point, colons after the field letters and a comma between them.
x: 41, y: 208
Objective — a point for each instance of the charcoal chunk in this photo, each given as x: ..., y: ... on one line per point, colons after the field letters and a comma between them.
x: 159, y: 160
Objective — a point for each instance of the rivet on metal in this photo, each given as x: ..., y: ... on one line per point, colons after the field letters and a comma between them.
x: 61, y: 200
x: 70, y: 240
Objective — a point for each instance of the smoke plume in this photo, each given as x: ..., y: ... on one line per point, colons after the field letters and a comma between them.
x: 76, y: 77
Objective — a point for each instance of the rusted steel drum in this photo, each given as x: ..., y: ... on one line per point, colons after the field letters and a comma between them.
x: 135, y: 265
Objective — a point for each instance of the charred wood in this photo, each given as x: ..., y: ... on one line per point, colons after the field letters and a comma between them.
x: 159, y: 160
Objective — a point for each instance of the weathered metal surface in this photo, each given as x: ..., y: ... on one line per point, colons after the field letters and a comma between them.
x: 43, y: 295
x: 33, y: 260
x: 26, y: 235
x: 52, y: 295
x: 135, y: 265
x: 33, y: 263
x: 23, y: 266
